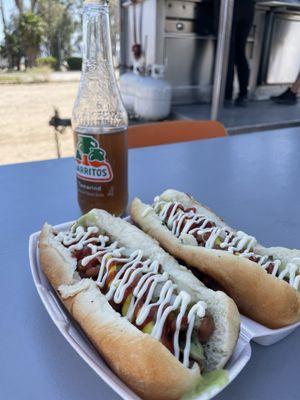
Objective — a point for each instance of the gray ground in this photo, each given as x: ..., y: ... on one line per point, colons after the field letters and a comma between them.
x: 258, y: 115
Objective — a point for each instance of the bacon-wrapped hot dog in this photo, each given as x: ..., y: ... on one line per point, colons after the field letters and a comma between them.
x: 149, y: 317
x: 264, y: 282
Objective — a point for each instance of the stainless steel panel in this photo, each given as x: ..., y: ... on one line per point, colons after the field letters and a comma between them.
x: 173, y: 25
x: 258, y: 37
x: 284, y: 59
x: 180, y: 9
x: 189, y: 69
x: 222, y: 53
x: 275, y: 3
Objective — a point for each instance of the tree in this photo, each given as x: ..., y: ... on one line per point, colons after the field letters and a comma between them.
x: 3, y: 16
x: 32, y: 5
x: 10, y: 49
x: 31, y: 28
x: 60, y: 25
x: 48, y: 26
x: 22, y: 35
x: 63, y: 26
x: 20, y: 5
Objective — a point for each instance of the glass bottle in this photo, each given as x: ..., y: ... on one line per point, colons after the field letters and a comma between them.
x: 99, y: 119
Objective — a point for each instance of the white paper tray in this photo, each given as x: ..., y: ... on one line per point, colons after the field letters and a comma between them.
x: 261, y: 334
x: 250, y: 330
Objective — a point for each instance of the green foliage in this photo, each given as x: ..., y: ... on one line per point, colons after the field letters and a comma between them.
x: 74, y: 63
x: 50, y: 27
x: 60, y: 25
x: 46, y: 61
x: 30, y: 29
x: 11, y: 48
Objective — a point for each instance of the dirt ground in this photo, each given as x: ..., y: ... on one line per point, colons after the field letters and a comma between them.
x: 25, y: 110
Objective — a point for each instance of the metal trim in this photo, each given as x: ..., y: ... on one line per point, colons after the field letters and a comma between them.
x: 222, y: 53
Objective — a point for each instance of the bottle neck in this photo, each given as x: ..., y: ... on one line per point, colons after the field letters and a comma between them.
x: 98, y: 106
x: 96, y: 37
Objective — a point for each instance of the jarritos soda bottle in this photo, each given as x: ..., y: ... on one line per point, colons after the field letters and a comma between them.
x: 99, y: 119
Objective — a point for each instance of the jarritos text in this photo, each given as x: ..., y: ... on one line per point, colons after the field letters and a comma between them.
x: 91, y: 160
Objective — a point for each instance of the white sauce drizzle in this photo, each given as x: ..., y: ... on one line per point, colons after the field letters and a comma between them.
x: 77, y: 237
x: 182, y: 223
x: 156, y: 289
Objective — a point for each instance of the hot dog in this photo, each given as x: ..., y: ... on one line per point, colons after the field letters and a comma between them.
x: 154, y: 323
x: 264, y: 282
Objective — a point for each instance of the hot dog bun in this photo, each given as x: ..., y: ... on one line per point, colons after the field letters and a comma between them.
x: 143, y: 363
x: 259, y: 295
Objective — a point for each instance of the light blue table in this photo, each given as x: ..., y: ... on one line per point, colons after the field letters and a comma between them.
x: 253, y: 181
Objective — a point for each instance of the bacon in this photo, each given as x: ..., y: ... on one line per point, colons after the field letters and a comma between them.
x: 185, y: 219
x: 114, y: 266
x: 202, y: 238
x: 254, y: 258
x: 193, y: 209
x: 171, y: 208
x: 80, y: 254
x: 193, y: 226
x: 167, y: 332
x: 151, y: 316
x: 112, y: 272
x: 270, y: 268
x: 90, y: 270
x: 115, y: 306
x: 139, y: 305
x: 131, y: 287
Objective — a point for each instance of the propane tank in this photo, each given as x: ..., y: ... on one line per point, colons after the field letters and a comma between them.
x: 152, y: 100
x: 128, y: 82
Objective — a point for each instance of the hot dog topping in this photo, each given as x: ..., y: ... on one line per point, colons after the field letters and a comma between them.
x: 139, y: 289
x: 196, y: 229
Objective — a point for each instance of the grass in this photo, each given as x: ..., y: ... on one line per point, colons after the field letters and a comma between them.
x: 34, y: 75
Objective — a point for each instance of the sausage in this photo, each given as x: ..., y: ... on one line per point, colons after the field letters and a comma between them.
x: 92, y: 272
x: 183, y: 324
x: 205, y: 328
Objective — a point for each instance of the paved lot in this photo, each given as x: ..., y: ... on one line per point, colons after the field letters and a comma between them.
x: 25, y: 110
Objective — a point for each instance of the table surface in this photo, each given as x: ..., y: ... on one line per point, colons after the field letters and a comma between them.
x: 252, y: 180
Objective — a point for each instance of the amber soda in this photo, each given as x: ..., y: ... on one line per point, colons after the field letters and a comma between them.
x: 99, y: 120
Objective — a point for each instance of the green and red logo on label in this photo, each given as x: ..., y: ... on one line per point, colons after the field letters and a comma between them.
x: 91, y: 160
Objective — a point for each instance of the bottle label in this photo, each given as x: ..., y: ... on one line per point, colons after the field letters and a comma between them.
x: 91, y: 160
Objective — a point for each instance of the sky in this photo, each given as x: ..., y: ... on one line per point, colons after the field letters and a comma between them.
x: 9, y: 7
